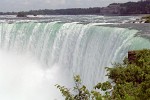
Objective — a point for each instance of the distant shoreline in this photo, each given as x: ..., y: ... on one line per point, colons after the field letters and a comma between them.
x: 114, y: 9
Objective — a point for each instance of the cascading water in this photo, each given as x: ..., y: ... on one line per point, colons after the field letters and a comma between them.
x: 36, y: 56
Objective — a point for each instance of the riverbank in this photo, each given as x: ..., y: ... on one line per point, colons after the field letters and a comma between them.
x: 146, y: 18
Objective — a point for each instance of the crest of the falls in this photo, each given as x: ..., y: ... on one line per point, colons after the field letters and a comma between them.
x: 82, y: 49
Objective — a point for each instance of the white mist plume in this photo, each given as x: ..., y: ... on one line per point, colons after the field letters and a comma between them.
x: 23, y: 78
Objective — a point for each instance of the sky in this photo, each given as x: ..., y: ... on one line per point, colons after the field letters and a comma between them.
x: 25, y: 5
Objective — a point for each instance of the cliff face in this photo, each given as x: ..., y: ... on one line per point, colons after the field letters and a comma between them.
x: 111, y: 9
x: 136, y: 8
x: 146, y: 18
x: 131, y: 56
x: 141, y: 7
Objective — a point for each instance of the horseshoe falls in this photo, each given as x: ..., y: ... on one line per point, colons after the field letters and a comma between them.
x: 34, y: 56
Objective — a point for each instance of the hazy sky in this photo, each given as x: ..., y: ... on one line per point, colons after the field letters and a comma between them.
x: 24, y: 5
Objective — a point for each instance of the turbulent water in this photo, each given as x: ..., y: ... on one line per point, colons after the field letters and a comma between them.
x: 34, y: 56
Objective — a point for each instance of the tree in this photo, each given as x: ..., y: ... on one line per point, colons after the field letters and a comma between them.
x: 130, y: 81
x: 21, y: 14
x: 80, y: 92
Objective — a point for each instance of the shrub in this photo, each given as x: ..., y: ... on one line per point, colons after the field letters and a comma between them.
x: 130, y: 81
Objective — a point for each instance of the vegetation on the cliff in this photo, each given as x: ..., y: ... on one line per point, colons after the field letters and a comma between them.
x: 141, y: 7
x: 130, y: 81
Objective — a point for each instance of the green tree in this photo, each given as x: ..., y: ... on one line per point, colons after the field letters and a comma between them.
x: 80, y: 92
x: 21, y: 14
x: 130, y: 81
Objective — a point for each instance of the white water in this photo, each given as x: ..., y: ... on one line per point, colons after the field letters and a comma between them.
x: 36, y: 56
x: 23, y: 78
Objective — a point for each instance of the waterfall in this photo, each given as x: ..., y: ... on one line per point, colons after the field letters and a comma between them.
x: 84, y: 49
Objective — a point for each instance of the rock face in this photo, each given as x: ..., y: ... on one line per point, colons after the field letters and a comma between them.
x: 131, y: 56
x: 111, y: 9
x: 21, y: 14
x: 146, y: 18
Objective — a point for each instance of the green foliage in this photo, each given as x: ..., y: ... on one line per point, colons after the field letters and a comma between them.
x: 130, y: 81
x: 80, y: 92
